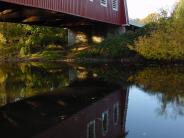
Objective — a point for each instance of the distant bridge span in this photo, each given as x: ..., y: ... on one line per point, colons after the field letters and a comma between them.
x: 64, y: 12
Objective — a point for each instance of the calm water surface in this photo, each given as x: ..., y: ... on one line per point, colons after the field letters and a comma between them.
x: 91, y: 101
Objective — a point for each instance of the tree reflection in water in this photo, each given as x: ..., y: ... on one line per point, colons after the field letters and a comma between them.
x: 23, y: 80
x: 167, y: 84
x: 19, y: 81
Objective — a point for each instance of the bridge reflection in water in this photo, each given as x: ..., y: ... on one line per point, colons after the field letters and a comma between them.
x: 85, y: 109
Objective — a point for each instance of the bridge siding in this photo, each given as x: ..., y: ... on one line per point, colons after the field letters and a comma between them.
x: 83, y: 8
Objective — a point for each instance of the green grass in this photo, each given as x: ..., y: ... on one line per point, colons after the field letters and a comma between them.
x: 114, y: 47
x: 48, y: 55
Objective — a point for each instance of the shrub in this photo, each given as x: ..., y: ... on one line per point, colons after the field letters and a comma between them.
x: 166, y: 41
x: 114, y: 47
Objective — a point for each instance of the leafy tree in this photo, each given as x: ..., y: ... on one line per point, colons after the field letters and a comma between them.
x: 179, y: 10
x: 166, y: 41
x: 151, y: 18
x: 25, y: 40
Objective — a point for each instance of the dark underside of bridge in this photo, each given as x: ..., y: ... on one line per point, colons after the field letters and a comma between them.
x: 34, y: 16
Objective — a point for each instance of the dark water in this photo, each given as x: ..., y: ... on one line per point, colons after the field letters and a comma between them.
x: 54, y: 100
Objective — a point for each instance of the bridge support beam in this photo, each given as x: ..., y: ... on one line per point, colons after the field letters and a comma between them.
x: 92, y: 34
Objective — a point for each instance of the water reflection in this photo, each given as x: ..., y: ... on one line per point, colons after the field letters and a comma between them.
x: 143, y: 120
x: 167, y: 85
x: 90, y: 108
x: 19, y: 81
x: 87, y: 101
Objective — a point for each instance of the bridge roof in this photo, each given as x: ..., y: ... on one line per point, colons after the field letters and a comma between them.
x: 133, y: 23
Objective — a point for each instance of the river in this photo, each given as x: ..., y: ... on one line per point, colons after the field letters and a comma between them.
x: 54, y: 100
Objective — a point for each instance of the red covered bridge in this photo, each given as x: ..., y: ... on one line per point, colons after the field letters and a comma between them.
x: 64, y: 12
x: 84, y: 18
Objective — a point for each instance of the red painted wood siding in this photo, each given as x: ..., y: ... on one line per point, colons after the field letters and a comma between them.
x: 83, y: 8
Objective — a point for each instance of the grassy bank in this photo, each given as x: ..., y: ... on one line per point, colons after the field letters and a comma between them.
x: 113, y: 47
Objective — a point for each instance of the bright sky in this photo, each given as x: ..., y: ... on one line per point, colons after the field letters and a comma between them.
x: 141, y: 8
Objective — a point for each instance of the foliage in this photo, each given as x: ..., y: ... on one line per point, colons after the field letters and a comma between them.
x: 25, y: 40
x: 179, y: 11
x: 153, y: 17
x: 48, y: 55
x: 112, y: 47
x: 165, y: 42
x: 120, y: 46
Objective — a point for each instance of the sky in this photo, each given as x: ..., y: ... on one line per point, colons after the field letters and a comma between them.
x: 141, y: 8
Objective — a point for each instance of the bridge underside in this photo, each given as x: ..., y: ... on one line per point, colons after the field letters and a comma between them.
x: 34, y: 16
x: 81, y: 30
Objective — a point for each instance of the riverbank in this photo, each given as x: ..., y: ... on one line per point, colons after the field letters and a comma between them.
x: 158, y: 42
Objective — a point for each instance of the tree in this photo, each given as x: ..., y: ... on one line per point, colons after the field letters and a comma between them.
x: 151, y: 18
x: 25, y: 40
x: 166, y: 41
x: 179, y: 10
